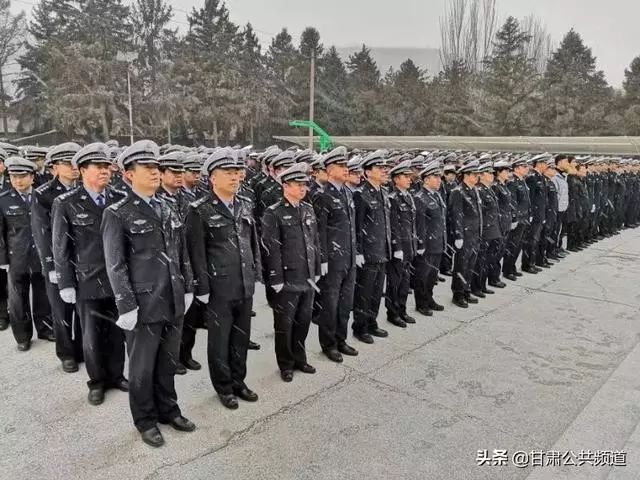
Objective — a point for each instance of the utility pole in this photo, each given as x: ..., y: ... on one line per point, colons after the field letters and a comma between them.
x: 130, y: 102
x: 312, y: 87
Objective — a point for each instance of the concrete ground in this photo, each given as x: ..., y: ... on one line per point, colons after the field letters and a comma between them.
x: 549, y: 364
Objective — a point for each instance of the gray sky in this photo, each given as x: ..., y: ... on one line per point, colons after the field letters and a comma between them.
x: 609, y: 27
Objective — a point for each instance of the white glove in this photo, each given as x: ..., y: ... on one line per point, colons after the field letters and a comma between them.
x: 4, y: 267
x: 514, y: 225
x: 530, y: 219
x: 324, y: 269
x: 317, y: 278
x: 593, y: 208
x: 359, y: 260
x: 53, y: 277
x: 204, y: 298
x: 278, y: 288
x: 128, y: 320
x: 421, y: 251
x: 399, y: 255
x: 68, y: 295
x: 188, y: 300
x: 458, y: 244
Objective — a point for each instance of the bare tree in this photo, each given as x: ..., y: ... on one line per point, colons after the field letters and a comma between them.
x: 12, y: 35
x: 540, y: 46
x: 467, y: 30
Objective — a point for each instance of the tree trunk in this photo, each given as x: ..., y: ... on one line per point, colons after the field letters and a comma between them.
x: 3, y: 106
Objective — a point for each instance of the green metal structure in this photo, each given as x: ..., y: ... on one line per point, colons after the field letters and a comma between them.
x: 325, y: 139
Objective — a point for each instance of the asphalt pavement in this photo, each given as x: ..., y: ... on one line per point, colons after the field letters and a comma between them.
x: 543, y: 374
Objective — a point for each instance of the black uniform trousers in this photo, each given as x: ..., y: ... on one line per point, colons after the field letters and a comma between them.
x: 21, y: 315
x: 66, y: 327
x: 426, y: 278
x: 464, y: 262
x: 4, y: 295
x: 493, y: 265
x: 513, y: 248
x: 548, y: 240
x: 446, y: 259
x: 367, y: 296
x: 488, y: 259
x: 229, y: 328
x: 531, y: 243
x: 102, y: 341
x: 153, y: 356
x: 398, y: 278
x: 193, y: 320
x: 333, y: 305
x: 560, y: 230
x: 291, y: 320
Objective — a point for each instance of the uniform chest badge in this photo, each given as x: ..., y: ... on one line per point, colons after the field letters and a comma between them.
x: 139, y: 222
x: 287, y: 217
x: 83, y: 197
x: 84, y: 215
x: 308, y: 221
x: 13, y: 207
x: 336, y: 200
x: 216, y: 217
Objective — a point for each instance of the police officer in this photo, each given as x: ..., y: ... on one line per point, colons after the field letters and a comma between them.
x: 502, y: 169
x: 521, y: 219
x: 292, y: 265
x: 223, y: 246
x: 373, y: 245
x: 38, y: 155
x: 354, y: 182
x: 19, y: 259
x: 402, y: 221
x: 172, y: 170
x: 82, y: 277
x: 191, y: 177
x: 537, y: 185
x: 448, y: 184
x: 318, y: 177
x: 5, y: 184
x: 431, y: 232
x: 548, y: 240
x: 466, y: 214
x: 489, y: 253
x: 66, y: 326
x: 150, y: 275
x: 335, y: 213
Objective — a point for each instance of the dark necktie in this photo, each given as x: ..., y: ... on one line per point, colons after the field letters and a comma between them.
x: 155, y: 204
x: 100, y: 201
x: 27, y: 198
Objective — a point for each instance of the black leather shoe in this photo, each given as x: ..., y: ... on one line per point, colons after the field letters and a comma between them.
x: 49, y: 337
x: 436, y: 307
x: 24, y: 346
x: 553, y: 256
x: 152, y: 437
x: 477, y: 293
x: 448, y: 273
x: 498, y: 284
x: 562, y: 255
x: 460, y: 302
x: 122, y: 385
x: 537, y: 269
x: 246, y: 394
x: 96, y: 396
x: 518, y: 274
x: 378, y: 332
x: 530, y: 270
x: 486, y: 291
x: 397, y: 321
x: 441, y: 279
x: 471, y: 299
x: 181, y: 369
x: 286, y: 375
x: 543, y: 265
x: 510, y: 276
x: 253, y: 314
x: 424, y: 311
x: 364, y: 337
x: 181, y: 424
x: 407, y: 318
x: 305, y: 368
x: 346, y: 349
x: 4, y: 324
x: 69, y: 365
x: 229, y: 400
x: 253, y: 345
x: 191, y: 364
x: 333, y: 355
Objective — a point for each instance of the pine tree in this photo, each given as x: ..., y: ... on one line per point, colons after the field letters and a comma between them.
x: 454, y: 113
x: 364, y: 87
x: 631, y: 84
x: 510, y: 82
x: 574, y: 93
x: 332, y: 94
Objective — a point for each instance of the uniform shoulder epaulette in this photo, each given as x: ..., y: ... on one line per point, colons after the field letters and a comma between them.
x: 306, y: 204
x: 68, y: 194
x: 199, y: 202
x: 274, y: 206
x: 118, y: 192
x: 119, y: 204
x: 5, y: 193
x: 243, y: 198
x: 44, y: 187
